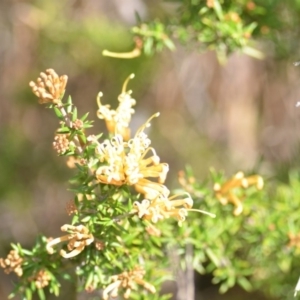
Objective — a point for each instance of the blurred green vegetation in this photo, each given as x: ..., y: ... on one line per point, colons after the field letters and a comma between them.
x: 258, y: 248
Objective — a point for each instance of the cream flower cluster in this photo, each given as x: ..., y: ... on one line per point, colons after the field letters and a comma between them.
x: 117, y: 121
x: 49, y: 87
x: 78, y: 238
x: 132, y: 163
x: 12, y: 263
x: 162, y: 208
x: 226, y: 193
x: 41, y: 279
x: 127, y: 281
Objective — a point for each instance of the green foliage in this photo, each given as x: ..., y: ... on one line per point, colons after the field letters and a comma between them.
x: 258, y: 249
x: 253, y: 241
x: 35, y: 261
x: 153, y: 37
x: 111, y: 242
x: 224, y: 26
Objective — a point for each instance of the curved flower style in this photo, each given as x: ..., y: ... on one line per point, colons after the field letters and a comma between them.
x: 127, y: 163
x: 49, y: 87
x: 225, y: 193
x: 127, y: 281
x: 78, y: 239
x: 137, y: 51
x: 117, y: 121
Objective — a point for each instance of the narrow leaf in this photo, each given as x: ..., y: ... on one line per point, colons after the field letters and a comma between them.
x: 41, y: 294
x: 84, y: 117
x: 218, y: 9
x: 74, y: 116
x: 58, y: 112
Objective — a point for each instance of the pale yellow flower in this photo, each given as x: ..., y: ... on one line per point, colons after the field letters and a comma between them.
x: 128, y: 281
x: 226, y: 193
x: 162, y: 208
x: 112, y: 153
x: 77, y: 240
x: 49, y: 87
x: 129, y: 163
x: 117, y: 121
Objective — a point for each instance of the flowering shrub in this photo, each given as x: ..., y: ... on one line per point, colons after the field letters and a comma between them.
x: 117, y: 236
x: 125, y: 220
x: 222, y: 26
x: 254, y: 240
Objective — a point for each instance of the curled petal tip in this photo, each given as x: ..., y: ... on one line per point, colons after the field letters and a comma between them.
x: 105, y: 53
x: 124, y: 87
x: 64, y: 227
x: 50, y: 250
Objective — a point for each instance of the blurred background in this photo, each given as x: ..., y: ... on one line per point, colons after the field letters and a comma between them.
x: 237, y: 116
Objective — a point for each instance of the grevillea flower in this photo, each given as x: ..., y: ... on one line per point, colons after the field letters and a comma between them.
x: 41, y: 279
x: 77, y: 240
x: 117, y: 121
x: 129, y: 163
x: 61, y: 143
x: 12, y: 263
x: 127, y: 281
x: 226, y: 192
x: 162, y: 208
x: 49, y: 87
